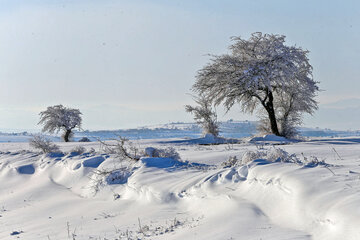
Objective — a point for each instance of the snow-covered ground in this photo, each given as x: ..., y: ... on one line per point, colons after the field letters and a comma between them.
x: 70, y: 196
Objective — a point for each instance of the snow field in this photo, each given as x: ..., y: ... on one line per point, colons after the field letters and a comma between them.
x: 60, y: 196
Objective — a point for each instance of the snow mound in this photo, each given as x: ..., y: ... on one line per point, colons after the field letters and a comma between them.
x: 93, y: 162
x: 268, y: 193
x: 208, y: 139
x: 233, y: 175
x: 271, y: 138
x: 159, y: 162
x: 26, y: 169
x: 120, y: 176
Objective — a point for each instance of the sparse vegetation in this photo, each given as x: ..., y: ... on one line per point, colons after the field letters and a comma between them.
x: 78, y: 150
x: 44, y: 144
x: 84, y: 139
x: 123, y: 149
x: 273, y: 154
x: 168, y: 152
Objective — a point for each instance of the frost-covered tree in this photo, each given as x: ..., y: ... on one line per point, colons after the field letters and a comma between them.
x: 262, y: 71
x: 58, y: 117
x: 205, y: 116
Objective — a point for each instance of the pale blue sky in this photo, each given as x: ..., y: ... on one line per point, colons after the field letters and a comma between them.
x: 132, y: 63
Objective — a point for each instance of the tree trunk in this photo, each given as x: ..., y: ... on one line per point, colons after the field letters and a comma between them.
x: 273, y: 123
x: 67, y: 135
x: 269, y: 106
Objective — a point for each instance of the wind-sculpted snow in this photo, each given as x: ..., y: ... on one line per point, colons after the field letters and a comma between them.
x: 26, y: 169
x: 274, y: 194
x: 93, y: 162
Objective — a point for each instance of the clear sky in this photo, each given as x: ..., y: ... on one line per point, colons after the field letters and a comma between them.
x: 132, y: 63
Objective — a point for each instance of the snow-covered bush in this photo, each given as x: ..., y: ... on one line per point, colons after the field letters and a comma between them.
x: 84, y: 139
x: 58, y: 118
x: 78, y: 150
x: 280, y: 155
x: 262, y: 72
x: 205, y: 116
x: 246, y: 158
x: 313, y: 161
x: 168, y: 152
x: 123, y: 149
x: 102, y: 177
x: 250, y: 156
x: 43, y: 144
x: 231, y: 162
x: 272, y: 155
x: 92, y: 150
x: 119, y: 176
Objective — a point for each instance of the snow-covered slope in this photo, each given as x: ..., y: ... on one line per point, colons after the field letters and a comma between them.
x: 70, y: 196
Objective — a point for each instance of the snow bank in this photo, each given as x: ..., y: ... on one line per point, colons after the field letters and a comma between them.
x: 161, y: 162
x: 271, y: 138
x: 208, y: 139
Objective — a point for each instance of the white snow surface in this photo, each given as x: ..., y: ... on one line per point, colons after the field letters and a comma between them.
x: 60, y: 196
x: 271, y: 138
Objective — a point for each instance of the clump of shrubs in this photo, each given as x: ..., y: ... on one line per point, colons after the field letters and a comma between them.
x: 231, y: 162
x: 272, y: 155
x: 45, y: 145
x: 118, y: 176
x: 78, y: 150
x: 123, y: 149
x: 84, y: 139
x: 168, y: 152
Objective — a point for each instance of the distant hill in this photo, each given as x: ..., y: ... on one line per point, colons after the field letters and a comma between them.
x: 229, y: 129
x: 235, y: 129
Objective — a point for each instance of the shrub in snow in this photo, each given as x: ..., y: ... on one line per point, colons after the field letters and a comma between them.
x: 151, y: 152
x: 313, y: 161
x: 272, y: 155
x: 168, y: 152
x: 280, y: 155
x: 119, y: 176
x: 43, y: 144
x: 250, y: 156
x: 205, y: 116
x: 92, y: 150
x: 262, y: 72
x: 84, y: 139
x: 247, y: 157
x: 123, y: 149
x: 58, y: 118
x: 231, y: 162
x: 101, y: 178
x: 78, y: 150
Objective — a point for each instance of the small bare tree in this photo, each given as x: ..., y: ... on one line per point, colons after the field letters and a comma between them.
x: 58, y: 118
x: 205, y: 116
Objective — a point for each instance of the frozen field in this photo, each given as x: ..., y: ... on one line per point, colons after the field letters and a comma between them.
x: 57, y: 196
